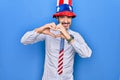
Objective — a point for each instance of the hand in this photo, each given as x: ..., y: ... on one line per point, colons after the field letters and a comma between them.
x: 46, y: 29
x: 64, y: 34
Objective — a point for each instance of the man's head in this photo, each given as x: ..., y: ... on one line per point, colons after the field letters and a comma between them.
x: 64, y: 12
x: 66, y: 21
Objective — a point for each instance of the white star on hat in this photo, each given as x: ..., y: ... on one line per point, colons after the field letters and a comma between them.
x: 58, y: 8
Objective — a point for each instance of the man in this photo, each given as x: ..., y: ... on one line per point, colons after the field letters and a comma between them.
x: 61, y: 43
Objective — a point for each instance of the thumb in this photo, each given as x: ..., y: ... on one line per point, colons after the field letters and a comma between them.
x: 60, y: 35
x: 51, y: 34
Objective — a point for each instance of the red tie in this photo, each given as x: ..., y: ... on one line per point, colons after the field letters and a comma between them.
x: 60, y: 59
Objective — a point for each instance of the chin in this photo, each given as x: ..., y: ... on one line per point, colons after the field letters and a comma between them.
x: 66, y: 27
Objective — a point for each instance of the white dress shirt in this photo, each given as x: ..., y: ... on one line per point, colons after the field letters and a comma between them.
x: 52, y: 53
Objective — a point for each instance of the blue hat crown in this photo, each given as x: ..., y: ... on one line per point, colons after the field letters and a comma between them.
x: 64, y: 7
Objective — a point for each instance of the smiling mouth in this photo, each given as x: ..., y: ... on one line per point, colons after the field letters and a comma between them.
x: 65, y: 23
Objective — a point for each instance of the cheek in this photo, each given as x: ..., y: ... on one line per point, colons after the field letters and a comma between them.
x: 70, y: 20
x: 61, y: 20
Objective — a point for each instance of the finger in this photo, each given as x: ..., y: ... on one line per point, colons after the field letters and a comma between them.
x: 58, y: 29
x: 60, y: 26
x: 51, y: 34
x: 60, y: 35
x: 53, y: 26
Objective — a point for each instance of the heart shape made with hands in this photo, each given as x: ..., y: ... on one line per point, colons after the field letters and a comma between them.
x: 59, y: 27
x: 52, y: 26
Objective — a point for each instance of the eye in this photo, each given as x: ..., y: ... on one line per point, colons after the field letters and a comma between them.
x: 62, y: 16
x: 69, y: 17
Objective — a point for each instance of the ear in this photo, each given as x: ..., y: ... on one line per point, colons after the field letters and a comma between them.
x: 57, y: 18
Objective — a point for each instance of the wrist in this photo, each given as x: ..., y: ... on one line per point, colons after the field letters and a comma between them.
x: 70, y: 39
x: 38, y: 30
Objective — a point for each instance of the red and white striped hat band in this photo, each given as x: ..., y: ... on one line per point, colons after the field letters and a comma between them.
x: 59, y: 2
x: 64, y: 7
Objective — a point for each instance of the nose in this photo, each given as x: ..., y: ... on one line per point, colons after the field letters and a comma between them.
x: 66, y: 19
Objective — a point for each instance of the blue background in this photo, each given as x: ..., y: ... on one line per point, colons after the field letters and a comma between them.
x: 98, y: 21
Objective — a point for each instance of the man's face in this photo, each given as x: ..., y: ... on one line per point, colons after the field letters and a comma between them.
x: 65, y: 21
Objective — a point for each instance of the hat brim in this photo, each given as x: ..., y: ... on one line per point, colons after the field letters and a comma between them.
x: 64, y: 13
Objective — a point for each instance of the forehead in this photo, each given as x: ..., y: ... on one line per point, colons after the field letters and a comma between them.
x: 62, y: 16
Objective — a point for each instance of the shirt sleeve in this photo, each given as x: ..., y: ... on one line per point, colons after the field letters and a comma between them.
x: 81, y: 47
x: 31, y: 37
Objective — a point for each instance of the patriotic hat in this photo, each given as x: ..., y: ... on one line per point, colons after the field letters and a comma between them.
x: 64, y: 7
